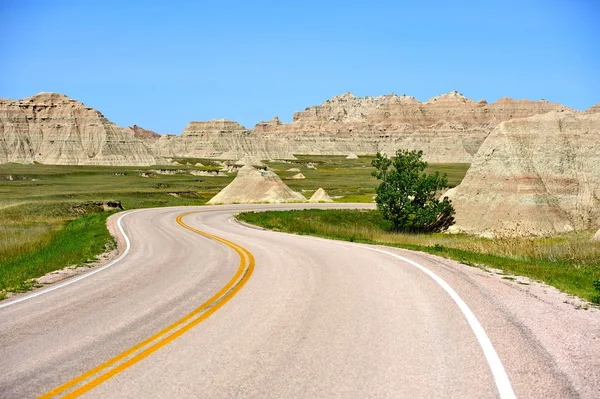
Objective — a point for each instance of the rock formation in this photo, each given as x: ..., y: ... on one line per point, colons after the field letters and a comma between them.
x: 256, y: 186
x: 144, y: 134
x: 450, y: 193
x: 320, y: 196
x: 594, y: 109
x: 352, y: 156
x: 51, y: 128
x: 250, y: 160
x: 293, y: 170
x: 234, y: 166
x: 596, y: 236
x: 298, y: 176
x: 448, y: 128
x: 220, y: 139
x: 534, y: 176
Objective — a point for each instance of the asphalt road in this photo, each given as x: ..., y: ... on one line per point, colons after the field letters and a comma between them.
x: 206, y: 307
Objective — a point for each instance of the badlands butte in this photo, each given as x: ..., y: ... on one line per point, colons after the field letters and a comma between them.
x: 535, y: 165
x: 51, y: 128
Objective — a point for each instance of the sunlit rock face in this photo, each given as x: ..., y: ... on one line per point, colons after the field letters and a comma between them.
x: 448, y: 128
x: 221, y: 139
x: 51, y: 128
x: 534, y: 176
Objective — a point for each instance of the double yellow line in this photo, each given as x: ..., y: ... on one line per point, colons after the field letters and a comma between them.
x: 114, y: 366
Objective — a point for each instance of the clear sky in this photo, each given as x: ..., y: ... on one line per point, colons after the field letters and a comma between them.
x: 163, y: 64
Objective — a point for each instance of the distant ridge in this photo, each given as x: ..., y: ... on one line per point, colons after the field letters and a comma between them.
x: 52, y: 128
x: 448, y: 128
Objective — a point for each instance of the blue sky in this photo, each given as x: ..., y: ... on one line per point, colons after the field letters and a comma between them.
x: 163, y: 64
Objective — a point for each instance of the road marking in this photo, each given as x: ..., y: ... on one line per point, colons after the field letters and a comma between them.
x: 56, y: 286
x: 81, y: 277
x: 498, y: 372
x: 167, y: 335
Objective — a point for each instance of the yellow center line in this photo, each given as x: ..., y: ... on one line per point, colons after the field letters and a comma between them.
x: 166, y: 335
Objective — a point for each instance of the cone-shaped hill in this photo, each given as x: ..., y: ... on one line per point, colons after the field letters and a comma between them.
x: 320, y: 196
x: 256, y: 186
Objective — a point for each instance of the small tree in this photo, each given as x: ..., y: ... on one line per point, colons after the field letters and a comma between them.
x: 408, y: 197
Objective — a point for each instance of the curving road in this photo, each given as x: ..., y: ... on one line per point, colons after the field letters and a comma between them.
x: 201, y: 306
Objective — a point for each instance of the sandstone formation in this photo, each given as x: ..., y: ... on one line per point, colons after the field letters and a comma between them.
x: 594, y: 109
x: 51, y: 128
x: 352, y: 156
x: 448, y: 128
x: 193, y: 172
x: 234, y: 166
x: 320, y: 196
x: 534, y: 176
x: 298, y: 176
x: 293, y: 170
x: 144, y: 134
x: 596, y: 236
x: 256, y: 186
x: 450, y: 193
x: 220, y: 139
x: 250, y: 160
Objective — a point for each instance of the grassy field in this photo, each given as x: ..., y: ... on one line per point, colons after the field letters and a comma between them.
x: 346, y: 180
x: 79, y: 242
x: 569, y: 262
x: 48, y: 219
x: 43, y: 207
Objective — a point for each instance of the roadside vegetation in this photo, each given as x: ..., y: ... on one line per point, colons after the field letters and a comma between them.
x: 568, y: 262
x: 78, y: 243
x: 49, y: 218
x: 347, y: 180
x: 408, y: 197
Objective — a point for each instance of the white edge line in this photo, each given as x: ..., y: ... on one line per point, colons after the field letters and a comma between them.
x: 500, y: 377
x: 82, y: 276
x: 499, y: 373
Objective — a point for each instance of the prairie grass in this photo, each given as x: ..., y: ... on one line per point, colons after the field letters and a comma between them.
x: 347, y: 180
x: 40, y: 204
x: 79, y: 242
x: 569, y: 262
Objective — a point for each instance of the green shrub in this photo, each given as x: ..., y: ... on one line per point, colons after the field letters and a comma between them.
x: 407, y: 196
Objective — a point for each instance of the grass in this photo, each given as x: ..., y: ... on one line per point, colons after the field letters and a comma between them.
x: 346, y: 180
x: 78, y: 243
x: 41, y: 204
x: 569, y: 262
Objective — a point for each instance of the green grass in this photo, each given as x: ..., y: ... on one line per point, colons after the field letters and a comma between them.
x: 569, y: 262
x: 39, y: 202
x: 79, y: 242
x: 346, y: 180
